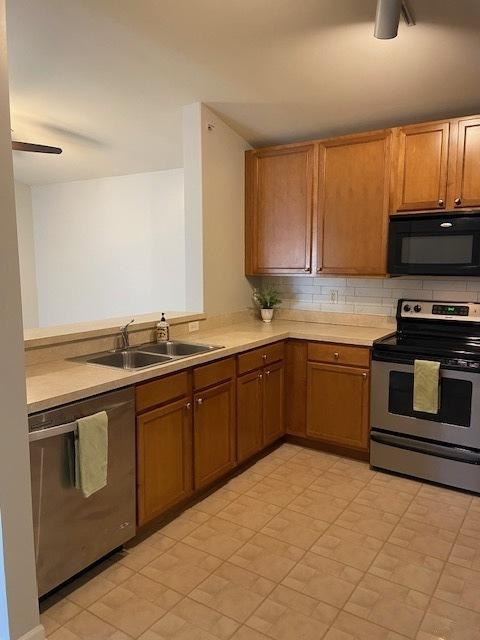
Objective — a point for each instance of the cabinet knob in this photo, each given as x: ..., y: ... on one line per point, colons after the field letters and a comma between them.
x: 457, y: 202
x: 199, y: 400
x: 260, y: 376
x: 307, y: 270
x: 264, y: 356
x: 188, y: 406
x: 441, y: 203
x: 336, y: 355
x: 364, y: 376
x: 267, y: 373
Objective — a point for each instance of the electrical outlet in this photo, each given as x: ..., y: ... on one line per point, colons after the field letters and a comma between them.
x: 333, y: 296
x: 193, y: 326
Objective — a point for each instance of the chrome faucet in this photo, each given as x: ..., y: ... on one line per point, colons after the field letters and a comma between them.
x: 124, y: 334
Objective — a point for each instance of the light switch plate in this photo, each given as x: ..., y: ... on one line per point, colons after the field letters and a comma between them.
x: 193, y: 326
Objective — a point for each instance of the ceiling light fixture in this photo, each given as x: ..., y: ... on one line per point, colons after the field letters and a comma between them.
x: 388, y: 17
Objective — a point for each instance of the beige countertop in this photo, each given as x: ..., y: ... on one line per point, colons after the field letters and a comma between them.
x: 55, y: 383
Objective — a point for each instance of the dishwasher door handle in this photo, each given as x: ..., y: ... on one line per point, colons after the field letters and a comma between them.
x: 60, y: 430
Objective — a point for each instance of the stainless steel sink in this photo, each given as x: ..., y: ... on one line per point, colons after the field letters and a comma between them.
x: 147, y: 355
x: 128, y: 359
x: 177, y: 349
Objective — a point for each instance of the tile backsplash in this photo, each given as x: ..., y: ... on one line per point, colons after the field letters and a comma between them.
x: 374, y: 296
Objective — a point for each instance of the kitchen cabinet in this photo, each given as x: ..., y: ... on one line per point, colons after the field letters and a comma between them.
x: 353, y: 201
x: 249, y: 414
x: 273, y: 401
x: 337, y: 394
x: 164, y: 458
x: 466, y: 184
x: 214, y: 433
x: 260, y: 399
x: 422, y: 166
x: 337, y: 405
x: 279, y: 209
x: 296, y: 383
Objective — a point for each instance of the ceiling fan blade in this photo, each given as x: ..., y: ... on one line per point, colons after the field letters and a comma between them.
x: 34, y: 148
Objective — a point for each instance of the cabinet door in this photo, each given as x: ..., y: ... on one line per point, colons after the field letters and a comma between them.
x: 466, y: 191
x: 337, y: 404
x: 164, y: 458
x: 214, y: 433
x: 279, y: 203
x: 422, y: 167
x: 296, y: 384
x: 249, y: 414
x: 273, y: 403
x: 354, y: 188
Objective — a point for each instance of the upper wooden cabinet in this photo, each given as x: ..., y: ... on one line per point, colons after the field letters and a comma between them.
x: 279, y: 209
x: 466, y: 184
x: 354, y: 190
x: 421, y: 180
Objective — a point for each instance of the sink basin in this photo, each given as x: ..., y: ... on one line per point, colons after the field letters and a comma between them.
x: 131, y: 359
x: 177, y: 349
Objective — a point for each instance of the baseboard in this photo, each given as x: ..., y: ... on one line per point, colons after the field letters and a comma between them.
x: 38, y: 633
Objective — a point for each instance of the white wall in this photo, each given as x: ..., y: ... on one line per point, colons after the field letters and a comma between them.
x: 214, y: 162
x: 26, y: 254
x: 109, y: 247
x: 19, y: 584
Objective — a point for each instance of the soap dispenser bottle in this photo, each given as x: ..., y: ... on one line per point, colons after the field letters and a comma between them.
x: 163, y: 330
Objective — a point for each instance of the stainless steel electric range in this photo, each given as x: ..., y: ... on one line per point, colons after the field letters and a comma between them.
x: 442, y: 447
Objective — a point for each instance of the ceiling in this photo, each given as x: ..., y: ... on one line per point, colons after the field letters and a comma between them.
x: 106, y: 79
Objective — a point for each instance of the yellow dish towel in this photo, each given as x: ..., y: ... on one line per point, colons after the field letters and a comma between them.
x: 426, y: 386
x: 91, y: 453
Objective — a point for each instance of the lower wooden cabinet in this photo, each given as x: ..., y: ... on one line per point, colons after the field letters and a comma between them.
x: 260, y: 409
x: 338, y: 404
x: 214, y: 433
x: 164, y: 458
x: 249, y: 414
x: 273, y: 403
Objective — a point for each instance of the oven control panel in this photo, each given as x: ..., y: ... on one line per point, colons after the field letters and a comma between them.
x: 439, y: 310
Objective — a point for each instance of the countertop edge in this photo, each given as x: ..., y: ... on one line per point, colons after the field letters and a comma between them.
x: 127, y: 379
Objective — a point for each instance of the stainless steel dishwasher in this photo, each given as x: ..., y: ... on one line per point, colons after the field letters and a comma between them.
x: 71, y: 532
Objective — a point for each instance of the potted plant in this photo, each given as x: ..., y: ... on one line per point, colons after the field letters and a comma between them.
x: 267, y: 299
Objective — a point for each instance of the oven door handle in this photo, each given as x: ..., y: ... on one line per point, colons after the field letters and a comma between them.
x: 459, y: 454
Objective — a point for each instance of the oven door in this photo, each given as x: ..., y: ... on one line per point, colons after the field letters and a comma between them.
x: 434, y: 245
x: 458, y: 418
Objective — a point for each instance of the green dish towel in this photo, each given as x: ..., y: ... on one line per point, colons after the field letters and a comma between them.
x: 426, y: 386
x: 91, y: 453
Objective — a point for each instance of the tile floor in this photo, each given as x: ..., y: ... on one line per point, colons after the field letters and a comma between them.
x: 302, y: 546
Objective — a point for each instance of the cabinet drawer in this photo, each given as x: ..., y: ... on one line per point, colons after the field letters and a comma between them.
x: 151, y: 394
x: 339, y: 354
x: 214, y: 373
x: 258, y: 357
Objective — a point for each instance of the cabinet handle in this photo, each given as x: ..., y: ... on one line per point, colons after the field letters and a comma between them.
x: 364, y: 376
x: 457, y: 202
x: 441, y: 203
x: 188, y: 406
x: 336, y: 355
x: 199, y: 400
x: 307, y: 270
x: 260, y: 376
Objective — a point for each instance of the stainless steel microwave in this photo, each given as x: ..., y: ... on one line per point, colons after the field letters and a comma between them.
x: 445, y: 244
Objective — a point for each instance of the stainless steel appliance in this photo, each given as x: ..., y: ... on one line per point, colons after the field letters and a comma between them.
x: 71, y: 532
x: 444, y: 244
x: 442, y: 447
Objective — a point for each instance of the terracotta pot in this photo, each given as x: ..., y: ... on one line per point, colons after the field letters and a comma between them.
x: 267, y: 314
